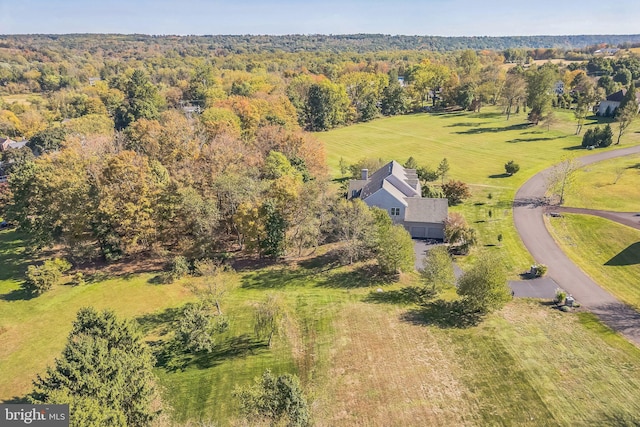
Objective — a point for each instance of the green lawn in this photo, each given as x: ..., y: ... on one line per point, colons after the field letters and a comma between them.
x: 364, y: 357
x: 610, y: 185
x: 477, y: 145
x: 33, y: 331
x: 605, y: 250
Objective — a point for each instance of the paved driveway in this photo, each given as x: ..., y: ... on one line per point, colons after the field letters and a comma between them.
x: 421, y: 247
x: 528, y: 211
x: 542, y: 287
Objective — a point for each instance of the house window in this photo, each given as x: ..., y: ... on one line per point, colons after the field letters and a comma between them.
x: 395, y: 211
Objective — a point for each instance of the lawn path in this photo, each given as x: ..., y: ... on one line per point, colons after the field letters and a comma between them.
x: 528, y: 212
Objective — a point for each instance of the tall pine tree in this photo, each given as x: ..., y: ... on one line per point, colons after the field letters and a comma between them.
x: 104, y: 374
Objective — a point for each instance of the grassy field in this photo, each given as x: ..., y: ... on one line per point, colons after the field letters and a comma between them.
x: 24, y: 99
x: 609, y: 185
x: 34, y: 331
x: 477, y: 145
x: 606, y: 251
x: 365, y: 358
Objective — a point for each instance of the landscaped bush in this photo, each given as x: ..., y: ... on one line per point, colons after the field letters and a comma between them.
x: 540, y: 270
x: 40, y: 279
x: 456, y: 192
x: 511, y: 167
x: 561, y: 296
x: 179, y: 267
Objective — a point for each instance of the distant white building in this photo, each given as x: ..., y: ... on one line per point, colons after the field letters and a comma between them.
x: 559, y: 88
x: 611, y: 104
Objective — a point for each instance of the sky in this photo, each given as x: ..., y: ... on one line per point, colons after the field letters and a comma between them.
x: 410, y: 17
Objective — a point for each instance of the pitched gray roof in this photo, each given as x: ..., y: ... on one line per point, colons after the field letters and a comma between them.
x: 425, y: 210
x: 18, y: 144
x: 618, y: 96
x: 394, y: 173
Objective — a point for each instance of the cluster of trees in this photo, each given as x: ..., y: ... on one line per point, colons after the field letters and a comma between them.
x: 163, y: 184
x: 367, y: 233
x: 482, y: 288
x: 598, y: 137
x: 123, y: 80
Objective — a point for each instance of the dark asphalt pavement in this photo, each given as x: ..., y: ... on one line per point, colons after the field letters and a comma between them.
x: 528, y: 212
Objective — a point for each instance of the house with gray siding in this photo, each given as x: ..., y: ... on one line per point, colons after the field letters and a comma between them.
x: 397, y: 190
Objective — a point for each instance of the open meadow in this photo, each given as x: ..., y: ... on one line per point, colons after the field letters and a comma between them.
x: 365, y: 358
x: 609, y: 185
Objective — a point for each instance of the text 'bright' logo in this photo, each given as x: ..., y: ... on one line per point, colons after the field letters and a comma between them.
x: 38, y: 415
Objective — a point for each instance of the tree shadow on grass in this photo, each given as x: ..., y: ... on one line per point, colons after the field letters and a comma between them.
x: 404, y: 296
x: 16, y: 400
x: 487, y: 115
x: 158, y: 320
x: 13, y: 260
x: 172, y: 358
x: 274, y: 278
x: 360, y: 277
x: 547, y: 138
x: 499, y: 175
x: 444, y: 314
x: 321, y: 263
x: 479, y: 130
x: 232, y: 348
x: 462, y: 124
x: 628, y: 256
x: 574, y: 147
x: 18, y: 295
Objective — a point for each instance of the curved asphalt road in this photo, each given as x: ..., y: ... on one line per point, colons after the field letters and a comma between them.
x: 528, y: 211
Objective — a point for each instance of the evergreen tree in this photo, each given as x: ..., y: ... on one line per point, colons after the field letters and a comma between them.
x: 394, y: 99
x: 280, y: 400
x: 606, y: 136
x: 104, y: 374
x: 587, y: 138
x: 275, y: 227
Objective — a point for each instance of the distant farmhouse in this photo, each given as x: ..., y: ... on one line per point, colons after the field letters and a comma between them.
x: 8, y: 143
x: 397, y: 190
x: 609, y: 106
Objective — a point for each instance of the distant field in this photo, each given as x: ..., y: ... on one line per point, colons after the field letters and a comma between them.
x: 605, y: 250
x: 20, y: 98
x: 609, y: 185
x: 477, y: 145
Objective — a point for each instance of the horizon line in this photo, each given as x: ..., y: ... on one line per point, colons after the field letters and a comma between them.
x: 313, y: 34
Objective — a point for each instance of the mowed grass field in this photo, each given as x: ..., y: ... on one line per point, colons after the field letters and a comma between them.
x: 34, y: 331
x: 609, y: 185
x: 607, y: 251
x: 476, y: 145
x: 365, y: 358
